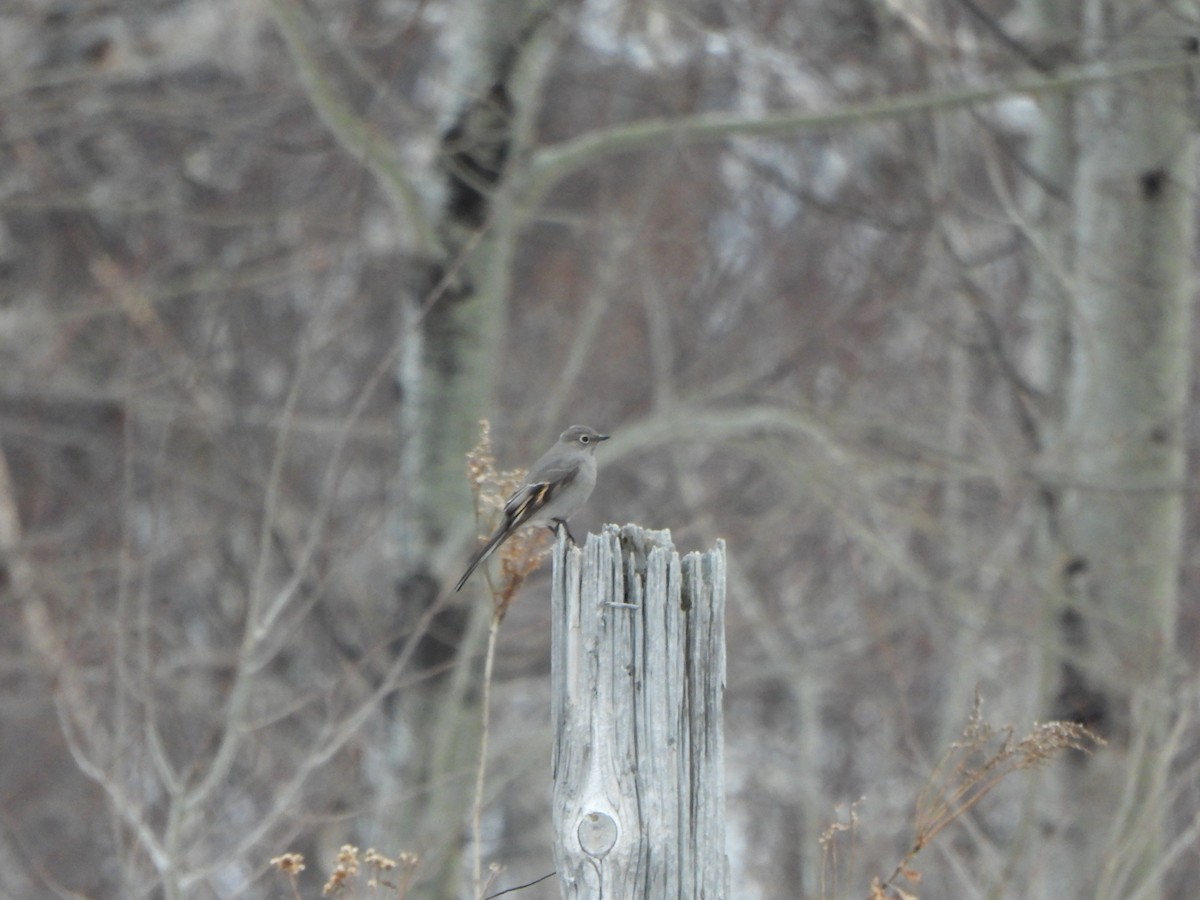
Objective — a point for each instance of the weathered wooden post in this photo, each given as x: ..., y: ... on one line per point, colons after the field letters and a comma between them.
x: 638, y: 675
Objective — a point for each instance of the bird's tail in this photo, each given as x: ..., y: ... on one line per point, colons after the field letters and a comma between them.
x: 483, y: 554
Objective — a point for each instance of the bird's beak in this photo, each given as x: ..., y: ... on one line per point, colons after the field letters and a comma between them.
x: 603, y: 437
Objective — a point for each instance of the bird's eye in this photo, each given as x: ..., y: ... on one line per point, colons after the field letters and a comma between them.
x: 583, y: 439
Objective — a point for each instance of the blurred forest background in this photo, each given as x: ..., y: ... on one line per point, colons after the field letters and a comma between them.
x: 894, y: 296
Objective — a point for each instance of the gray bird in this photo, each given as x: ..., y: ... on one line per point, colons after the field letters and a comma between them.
x: 555, y: 488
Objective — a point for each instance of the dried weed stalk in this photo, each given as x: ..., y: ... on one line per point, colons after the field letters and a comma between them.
x: 519, y: 557
x: 521, y: 554
x: 830, y: 840
x: 968, y: 771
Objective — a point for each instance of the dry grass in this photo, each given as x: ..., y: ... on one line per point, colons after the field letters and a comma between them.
x: 967, y: 772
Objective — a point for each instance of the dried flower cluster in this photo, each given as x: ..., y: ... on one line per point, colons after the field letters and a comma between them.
x: 289, y: 863
x: 523, y: 553
x: 345, y: 870
x: 348, y: 866
x: 490, y: 486
x: 376, y: 860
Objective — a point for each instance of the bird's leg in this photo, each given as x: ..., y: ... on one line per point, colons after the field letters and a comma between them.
x: 562, y: 523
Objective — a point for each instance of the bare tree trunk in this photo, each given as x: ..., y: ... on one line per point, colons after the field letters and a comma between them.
x: 456, y: 326
x: 638, y: 671
x: 454, y: 334
x: 1122, y: 456
x: 1048, y: 220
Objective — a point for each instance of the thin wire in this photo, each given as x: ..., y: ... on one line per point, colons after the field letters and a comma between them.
x: 521, y: 887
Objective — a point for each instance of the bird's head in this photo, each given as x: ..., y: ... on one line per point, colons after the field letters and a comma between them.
x: 582, y: 436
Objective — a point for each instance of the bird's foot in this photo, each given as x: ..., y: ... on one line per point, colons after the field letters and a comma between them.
x: 562, y: 523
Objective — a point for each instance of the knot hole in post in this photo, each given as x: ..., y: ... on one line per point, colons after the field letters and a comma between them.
x: 597, y: 833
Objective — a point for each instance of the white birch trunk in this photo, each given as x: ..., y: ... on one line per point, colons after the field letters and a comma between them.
x: 1123, y: 449
x: 1046, y: 836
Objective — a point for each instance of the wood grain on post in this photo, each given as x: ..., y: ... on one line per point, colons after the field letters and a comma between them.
x: 638, y: 675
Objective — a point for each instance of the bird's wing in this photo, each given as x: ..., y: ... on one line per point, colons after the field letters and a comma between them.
x: 524, y: 504
x: 529, y: 498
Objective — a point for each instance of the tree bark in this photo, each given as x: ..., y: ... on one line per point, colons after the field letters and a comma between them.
x: 1122, y: 455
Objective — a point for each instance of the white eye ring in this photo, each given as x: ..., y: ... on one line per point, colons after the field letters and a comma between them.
x: 583, y: 439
